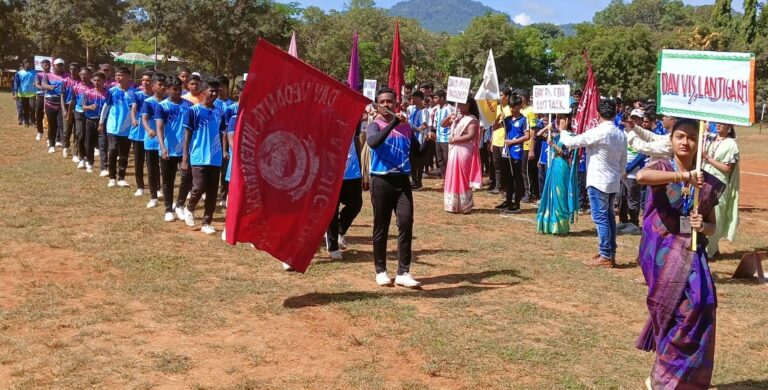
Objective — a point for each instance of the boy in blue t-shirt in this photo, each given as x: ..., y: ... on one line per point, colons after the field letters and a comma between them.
x: 229, y: 105
x: 92, y: 102
x: 202, y: 153
x: 136, y: 134
x: 512, y: 166
x: 169, y: 118
x: 150, y: 141
x: 116, y: 120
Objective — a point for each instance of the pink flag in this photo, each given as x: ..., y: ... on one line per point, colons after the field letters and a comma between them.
x: 587, y: 116
x: 292, y: 48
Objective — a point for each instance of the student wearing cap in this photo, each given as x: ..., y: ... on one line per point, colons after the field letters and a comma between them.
x: 645, y: 141
x: 53, y: 84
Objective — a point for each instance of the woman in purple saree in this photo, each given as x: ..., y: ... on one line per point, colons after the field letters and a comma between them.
x: 681, y: 294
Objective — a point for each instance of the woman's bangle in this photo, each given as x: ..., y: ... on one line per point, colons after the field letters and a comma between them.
x: 701, y: 229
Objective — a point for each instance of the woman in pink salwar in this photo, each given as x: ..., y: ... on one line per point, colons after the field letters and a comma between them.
x: 462, y: 172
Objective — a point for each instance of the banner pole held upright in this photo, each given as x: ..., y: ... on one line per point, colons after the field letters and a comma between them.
x: 700, y: 147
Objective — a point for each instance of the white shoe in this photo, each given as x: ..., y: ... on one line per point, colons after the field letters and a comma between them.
x: 51, y: 150
x: 38, y: 137
x: 382, y: 279
x: 139, y: 192
x: 76, y: 159
x: 96, y: 153
x: 152, y: 203
x: 406, y: 280
x: 336, y: 255
x: 81, y: 164
x: 159, y: 194
x: 224, y: 235
x: 180, y: 213
x: 189, y: 218
x: 111, y: 183
x: 104, y: 173
x: 208, y: 229
x: 88, y: 168
x: 122, y: 183
x: 342, y: 242
x: 64, y: 153
x: 169, y: 217
x: 286, y: 267
x: 58, y: 144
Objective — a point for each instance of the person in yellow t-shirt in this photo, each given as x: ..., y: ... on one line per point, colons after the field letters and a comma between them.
x: 530, y: 169
x: 497, y: 141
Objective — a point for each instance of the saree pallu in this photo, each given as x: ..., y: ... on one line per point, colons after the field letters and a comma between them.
x: 462, y: 156
x: 681, y: 294
x: 558, y: 204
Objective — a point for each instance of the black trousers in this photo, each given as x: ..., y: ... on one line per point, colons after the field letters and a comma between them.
x: 39, y: 113
x: 205, y: 179
x: 542, y: 176
x: 103, y: 151
x: 583, y: 197
x: 224, y: 190
x: 351, y: 196
x: 79, y: 149
x: 119, y: 147
x: 68, y: 130
x: 91, y: 139
x: 392, y: 193
x: 138, y: 162
x: 498, y: 167
x: 26, y: 109
x: 168, y: 168
x: 55, y: 122
x: 530, y: 175
x: 153, y: 171
x: 486, y: 162
x: 629, y: 201
x: 417, y: 170
x: 512, y: 172
x: 441, y: 149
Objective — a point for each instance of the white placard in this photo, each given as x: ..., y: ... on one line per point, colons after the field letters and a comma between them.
x: 705, y: 85
x: 39, y: 61
x: 369, y: 89
x: 458, y: 89
x: 552, y: 99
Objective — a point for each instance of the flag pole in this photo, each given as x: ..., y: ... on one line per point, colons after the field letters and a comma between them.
x: 699, y: 153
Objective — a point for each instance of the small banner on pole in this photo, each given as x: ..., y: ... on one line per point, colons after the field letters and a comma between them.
x: 458, y: 89
x: 552, y: 99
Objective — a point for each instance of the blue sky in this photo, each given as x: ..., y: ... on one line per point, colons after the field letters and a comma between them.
x: 531, y: 11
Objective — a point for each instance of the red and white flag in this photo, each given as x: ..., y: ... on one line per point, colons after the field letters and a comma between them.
x: 587, y: 116
x: 291, y: 142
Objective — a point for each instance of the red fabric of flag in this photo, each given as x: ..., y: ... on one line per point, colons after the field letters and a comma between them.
x: 293, y: 131
x: 587, y: 116
x: 396, y: 66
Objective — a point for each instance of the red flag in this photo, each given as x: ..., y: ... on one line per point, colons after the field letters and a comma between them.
x: 396, y: 67
x: 587, y: 116
x: 293, y: 132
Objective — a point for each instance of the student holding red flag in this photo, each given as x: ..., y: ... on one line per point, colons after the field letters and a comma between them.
x: 391, y: 143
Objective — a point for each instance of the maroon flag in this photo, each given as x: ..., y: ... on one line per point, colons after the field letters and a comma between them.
x: 396, y: 67
x: 290, y: 149
x: 587, y: 116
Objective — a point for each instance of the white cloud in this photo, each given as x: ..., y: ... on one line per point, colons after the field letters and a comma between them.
x: 522, y: 19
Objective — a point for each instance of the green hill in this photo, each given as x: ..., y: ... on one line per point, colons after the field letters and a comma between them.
x: 451, y: 16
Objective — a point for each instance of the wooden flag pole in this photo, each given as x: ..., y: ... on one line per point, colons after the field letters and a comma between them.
x: 699, y: 153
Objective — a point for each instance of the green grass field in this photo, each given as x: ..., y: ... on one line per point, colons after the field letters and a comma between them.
x: 98, y: 292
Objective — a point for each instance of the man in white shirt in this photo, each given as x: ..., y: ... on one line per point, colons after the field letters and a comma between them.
x: 606, y: 148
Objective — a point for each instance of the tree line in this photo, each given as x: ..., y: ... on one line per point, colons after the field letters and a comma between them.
x: 217, y: 36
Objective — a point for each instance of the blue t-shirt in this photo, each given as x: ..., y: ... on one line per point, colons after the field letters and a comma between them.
x: 618, y: 120
x: 416, y: 119
x: 119, y: 118
x: 713, y: 127
x: 91, y: 96
x: 392, y: 157
x: 443, y: 133
x: 659, y: 129
x: 137, y: 132
x: 231, y: 124
x: 352, y: 170
x: 516, y: 128
x: 25, y: 83
x: 148, y: 111
x: 205, y: 125
x: 544, y: 155
x: 173, y: 115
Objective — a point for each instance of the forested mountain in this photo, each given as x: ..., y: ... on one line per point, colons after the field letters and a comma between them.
x: 451, y: 16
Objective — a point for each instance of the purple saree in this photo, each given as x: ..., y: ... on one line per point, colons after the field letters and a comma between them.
x: 681, y: 294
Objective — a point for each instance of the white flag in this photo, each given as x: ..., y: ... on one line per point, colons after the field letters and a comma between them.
x: 487, y: 95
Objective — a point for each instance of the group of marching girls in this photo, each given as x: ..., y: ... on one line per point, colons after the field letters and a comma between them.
x: 174, y: 124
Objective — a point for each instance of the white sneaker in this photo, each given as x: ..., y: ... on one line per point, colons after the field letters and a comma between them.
x: 38, y: 137
x: 58, y: 144
x: 64, y: 153
x: 336, y: 255
x: 342, y: 242
x: 382, y: 279
x: 81, y: 164
x: 169, y: 217
x: 189, y: 218
x: 88, y: 168
x: 208, y: 229
x: 406, y: 280
x: 286, y: 267
x: 159, y: 194
x: 111, y: 183
x: 224, y: 235
x: 122, y: 183
x: 152, y: 203
x: 180, y: 212
x: 76, y: 159
x: 51, y: 150
x: 139, y: 192
x: 104, y: 173
x: 96, y: 153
